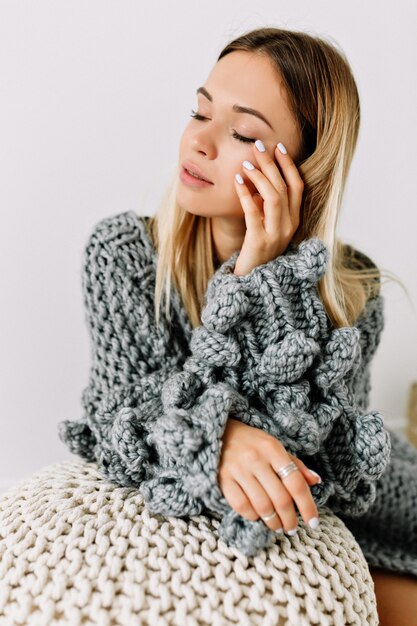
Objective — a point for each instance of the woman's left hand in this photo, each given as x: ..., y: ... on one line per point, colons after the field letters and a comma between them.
x: 273, y: 216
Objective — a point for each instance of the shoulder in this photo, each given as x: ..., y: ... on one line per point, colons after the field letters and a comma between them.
x: 112, y: 235
x: 357, y: 260
x: 118, y: 245
x: 120, y: 227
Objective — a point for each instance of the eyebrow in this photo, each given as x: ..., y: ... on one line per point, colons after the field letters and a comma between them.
x: 236, y: 107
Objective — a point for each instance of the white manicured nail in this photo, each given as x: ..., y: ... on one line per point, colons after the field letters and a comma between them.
x: 315, y: 474
x: 248, y: 165
x: 282, y: 148
x: 259, y: 144
x: 292, y: 532
x: 239, y: 179
x: 314, y: 522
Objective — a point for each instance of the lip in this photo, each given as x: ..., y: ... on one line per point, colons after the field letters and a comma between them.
x: 192, y: 181
x: 189, y: 165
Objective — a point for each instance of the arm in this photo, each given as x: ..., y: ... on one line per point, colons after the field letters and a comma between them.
x: 156, y: 411
x: 130, y: 357
x: 126, y: 408
x: 267, y: 335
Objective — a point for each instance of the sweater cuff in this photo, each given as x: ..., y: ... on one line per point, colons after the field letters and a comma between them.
x: 229, y: 297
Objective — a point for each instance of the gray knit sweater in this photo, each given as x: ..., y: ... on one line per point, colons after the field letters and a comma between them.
x: 159, y: 397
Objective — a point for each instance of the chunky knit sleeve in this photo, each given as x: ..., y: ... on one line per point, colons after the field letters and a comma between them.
x: 264, y: 354
x: 130, y: 357
x: 267, y: 336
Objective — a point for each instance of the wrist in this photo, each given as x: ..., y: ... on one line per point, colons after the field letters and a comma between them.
x: 240, y: 271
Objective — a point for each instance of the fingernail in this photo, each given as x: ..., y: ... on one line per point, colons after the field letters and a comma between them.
x: 292, y: 532
x: 314, y: 522
x: 279, y: 531
x: 248, y: 165
x: 259, y: 144
x: 282, y: 148
x: 239, y: 179
x: 315, y: 474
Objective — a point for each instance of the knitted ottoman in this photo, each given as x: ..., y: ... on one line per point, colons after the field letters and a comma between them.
x: 76, y: 549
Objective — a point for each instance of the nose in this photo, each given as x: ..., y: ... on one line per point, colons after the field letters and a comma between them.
x: 202, y: 142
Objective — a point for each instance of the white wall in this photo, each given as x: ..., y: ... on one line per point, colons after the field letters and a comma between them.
x: 93, y: 99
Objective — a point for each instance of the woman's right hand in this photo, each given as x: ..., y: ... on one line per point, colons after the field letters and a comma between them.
x: 250, y: 460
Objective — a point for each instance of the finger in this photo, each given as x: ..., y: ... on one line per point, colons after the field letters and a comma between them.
x: 275, y: 496
x: 294, y: 183
x: 269, y: 167
x: 239, y: 501
x: 308, y: 474
x: 253, y: 216
x: 274, y: 202
x: 299, y: 490
x: 258, y: 200
x: 275, y: 500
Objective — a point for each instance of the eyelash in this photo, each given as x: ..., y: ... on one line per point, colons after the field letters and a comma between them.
x: 236, y: 135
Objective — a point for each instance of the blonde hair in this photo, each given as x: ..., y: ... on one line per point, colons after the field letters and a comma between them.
x: 323, y: 96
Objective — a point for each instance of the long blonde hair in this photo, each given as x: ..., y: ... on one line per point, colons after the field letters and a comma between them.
x: 325, y: 102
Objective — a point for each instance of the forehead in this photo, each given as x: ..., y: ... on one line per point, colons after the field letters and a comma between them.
x: 250, y: 80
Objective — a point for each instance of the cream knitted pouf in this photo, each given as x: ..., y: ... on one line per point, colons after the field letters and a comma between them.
x: 78, y: 550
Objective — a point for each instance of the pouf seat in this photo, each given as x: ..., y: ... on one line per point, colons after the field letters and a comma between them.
x: 76, y: 549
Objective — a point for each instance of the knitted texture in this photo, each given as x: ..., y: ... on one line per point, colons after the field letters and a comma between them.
x: 387, y: 532
x: 159, y: 397
x: 76, y: 549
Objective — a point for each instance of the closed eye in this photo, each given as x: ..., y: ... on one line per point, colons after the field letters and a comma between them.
x: 236, y: 135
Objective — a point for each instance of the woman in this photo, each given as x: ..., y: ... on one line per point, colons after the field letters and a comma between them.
x: 262, y: 164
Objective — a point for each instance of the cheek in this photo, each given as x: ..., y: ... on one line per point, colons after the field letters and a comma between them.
x: 244, y: 173
x: 232, y: 166
x: 245, y: 154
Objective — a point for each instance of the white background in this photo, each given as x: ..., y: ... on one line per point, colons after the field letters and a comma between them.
x: 93, y: 100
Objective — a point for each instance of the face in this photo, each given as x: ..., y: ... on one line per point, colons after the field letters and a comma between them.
x: 213, y: 144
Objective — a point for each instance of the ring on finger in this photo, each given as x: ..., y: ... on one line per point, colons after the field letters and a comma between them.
x: 286, y: 470
x: 268, y: 517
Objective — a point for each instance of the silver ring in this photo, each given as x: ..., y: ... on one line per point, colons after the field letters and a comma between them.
x: 268, y: 517
x: 285, y: 471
